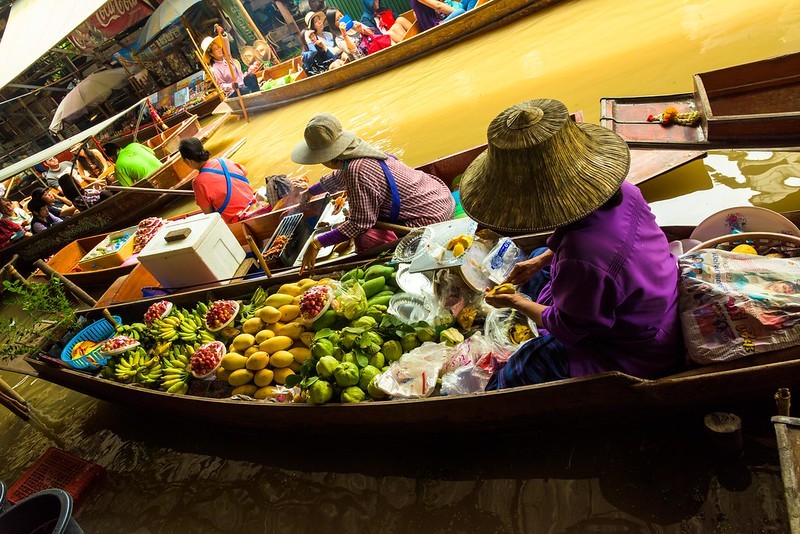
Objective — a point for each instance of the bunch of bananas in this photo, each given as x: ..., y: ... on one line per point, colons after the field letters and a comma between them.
x: 137, y: 331
x: 258, y: 301
x: 175, y: 377
x: 183, y: 325
x: 136, y: 366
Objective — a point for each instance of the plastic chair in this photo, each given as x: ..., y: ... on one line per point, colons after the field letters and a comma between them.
x: 44, y: 512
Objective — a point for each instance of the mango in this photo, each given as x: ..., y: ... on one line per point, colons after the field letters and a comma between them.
x: 267, y: 392
x: 281, y: 358
x: 292, y: 330
x: 240, y: 377
x: 306, y: 338
x: 247, y: 389
x: 281, y: 374
x: 277, y: 326
x: 375, y: 271
x: 264, y: 335
x: 295, y: 366
x: 252, y: 350
x: 233, y: 361
x: 276, y: 343
x: 269, y: 314
x: 458, y: 250
x: 289, y: 312
x: 243, y: 342
x: 252, y: 325
x: 296, y: 300
x: 279, y: 299
x: 290, y: 289
x: 263, y: 377
x: 222, y: 373
x: 300, y: 354
x: 257, y: 361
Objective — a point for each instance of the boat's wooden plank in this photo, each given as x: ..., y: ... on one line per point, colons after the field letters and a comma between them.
x: 787, y: 434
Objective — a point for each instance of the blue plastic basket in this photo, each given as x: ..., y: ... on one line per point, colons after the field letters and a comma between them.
x: 97, y: 331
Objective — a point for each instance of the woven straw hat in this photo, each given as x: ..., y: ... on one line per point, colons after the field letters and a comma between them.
x: 325, y: 140
x: 261, y: 49
x: 248, y: 54
x: 205, y: 46
x: 542, y: 170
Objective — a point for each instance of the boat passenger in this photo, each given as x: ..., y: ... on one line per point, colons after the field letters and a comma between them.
x: 11, y: 231
x: 42, y: 217
x: 348, y: 41
x: 14, y: 213
x: 221, y: 185
x: 431, y: 13
x: 384, y: 21
x: 322, y: 52
x: 605, y: 289
x: 58, y: 205
x: 55, y: 169
x: 214, y: 55
x: 379, y: 187
x: 81, y: 198
x: 133, y: 163
x: 91, y: 162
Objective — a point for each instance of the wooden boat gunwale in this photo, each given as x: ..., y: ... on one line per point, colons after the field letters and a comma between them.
x: 169, y: 145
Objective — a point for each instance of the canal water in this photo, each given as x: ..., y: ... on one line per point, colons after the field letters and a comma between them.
x: 166, y: 475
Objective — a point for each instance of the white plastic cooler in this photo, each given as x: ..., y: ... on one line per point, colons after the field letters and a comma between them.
x: 197, y: 250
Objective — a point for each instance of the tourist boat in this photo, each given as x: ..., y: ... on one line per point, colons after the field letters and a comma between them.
x: 166, y: 143
x: 607, y: 396
x: 755, y: 105
x: 123, y: 209
x: 486, y: 16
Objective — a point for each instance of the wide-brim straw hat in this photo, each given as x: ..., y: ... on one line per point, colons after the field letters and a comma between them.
x: 248, y: 55
x: 261, y: 48
x: 205, y: 47
x: 324, y: 140
x: 310, y: 16
x: 542, y: 170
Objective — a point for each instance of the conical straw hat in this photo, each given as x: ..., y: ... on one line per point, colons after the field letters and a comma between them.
x: 542, y: 170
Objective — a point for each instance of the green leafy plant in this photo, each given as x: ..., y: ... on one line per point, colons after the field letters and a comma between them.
x: 48, y: 313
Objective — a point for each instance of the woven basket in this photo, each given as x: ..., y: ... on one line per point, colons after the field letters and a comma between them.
x: 755, y: 239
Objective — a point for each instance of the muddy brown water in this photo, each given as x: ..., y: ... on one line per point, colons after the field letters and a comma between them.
x: 166, y: 475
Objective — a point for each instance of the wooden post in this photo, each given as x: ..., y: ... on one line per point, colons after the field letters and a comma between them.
x: 783, y: 400
x: 199, y: 54
x: 227, y: 55
x: 724, y: 431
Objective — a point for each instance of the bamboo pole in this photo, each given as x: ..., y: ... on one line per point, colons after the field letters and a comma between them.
x: 249, y: 20
x: 783, y: 401
x: 79, y: 293
x: 199, y: 54
x: 152, y: 190
x: 227, y: 55
x: 257, y: 253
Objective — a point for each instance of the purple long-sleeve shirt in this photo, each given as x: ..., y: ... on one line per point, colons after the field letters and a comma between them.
x: 613, y: 297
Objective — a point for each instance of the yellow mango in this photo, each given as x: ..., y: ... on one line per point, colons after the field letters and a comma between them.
x: 267, y: 392
x: 247, y: 389
x: 296, y: 301
x: 252, y: 325
x: 252, y: 350
x: 300, y: 354
x: 306, y: 338
x: 243, y: 341
x: 281, y: 358
x: 233, y: 361
x: 263, y: 377
x: 289, y: 312
x: 290, y: 289
x: 240, y: 377
x: 222, y: 373
x: 257, y: 361
x: 458, y: 250
x: 279, y: 299
x: 295, y: 366
x: 306, y: 284
x: 292, y: 330
x: 264, y: 335
x: 281, y: 374
x: 276, y: 326
x: 275, y: 344
x: 269, y: 314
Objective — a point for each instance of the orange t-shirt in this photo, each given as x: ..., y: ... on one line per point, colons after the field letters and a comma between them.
x: 210, y: 189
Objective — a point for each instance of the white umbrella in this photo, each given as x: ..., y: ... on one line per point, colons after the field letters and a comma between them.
x: 168, y: 12
x: 93, y: 90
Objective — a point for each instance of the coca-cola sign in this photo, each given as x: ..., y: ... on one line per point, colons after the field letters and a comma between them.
x: 114, y: 17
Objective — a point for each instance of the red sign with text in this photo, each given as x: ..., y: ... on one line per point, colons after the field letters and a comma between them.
x: 114, y: 17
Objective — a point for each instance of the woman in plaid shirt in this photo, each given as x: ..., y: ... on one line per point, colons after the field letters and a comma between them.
x: 379, y: 187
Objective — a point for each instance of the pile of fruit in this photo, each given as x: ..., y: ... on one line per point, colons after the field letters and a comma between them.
x: 145, y: 231
x: 207, y: 358
x: 220, y: 314
x: 118, y: 343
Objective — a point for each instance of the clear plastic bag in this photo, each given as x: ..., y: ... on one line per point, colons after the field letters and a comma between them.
x: 350, y: 301
x: 501, y: 259
x: 470, y: 366
x: 414, y: 375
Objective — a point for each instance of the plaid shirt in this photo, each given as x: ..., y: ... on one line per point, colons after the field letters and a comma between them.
x: 424, y: 198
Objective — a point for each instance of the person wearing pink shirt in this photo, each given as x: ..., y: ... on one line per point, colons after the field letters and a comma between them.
x: 214, y: 55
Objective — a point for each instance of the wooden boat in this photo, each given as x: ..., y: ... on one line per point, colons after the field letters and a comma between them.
x: 119, y: 211
x: 752, y: 105
x: 607, y: 396
x: 166, y: 143
x: 787, y: 433
x: 482, y: 18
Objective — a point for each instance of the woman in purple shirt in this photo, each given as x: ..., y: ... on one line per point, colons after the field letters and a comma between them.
x: 605, y: 289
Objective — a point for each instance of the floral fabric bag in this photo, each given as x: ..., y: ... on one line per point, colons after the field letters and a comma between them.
x: 736, y: 305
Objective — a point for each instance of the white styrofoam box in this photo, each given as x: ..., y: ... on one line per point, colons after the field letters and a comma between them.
x: 209, y: 253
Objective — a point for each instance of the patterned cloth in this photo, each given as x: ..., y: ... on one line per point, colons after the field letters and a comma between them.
x: 424, y: 198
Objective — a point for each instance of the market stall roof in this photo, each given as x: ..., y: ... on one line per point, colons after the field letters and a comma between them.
x: 168, y: 12
x: 58, y: 148
x: 34, y: 27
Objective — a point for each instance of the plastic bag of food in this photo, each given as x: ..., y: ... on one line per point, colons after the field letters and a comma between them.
x: 414, y: 375
x: 501, y: 259
x: 463, y: 375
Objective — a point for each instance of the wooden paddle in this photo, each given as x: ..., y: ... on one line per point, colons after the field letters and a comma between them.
x: 180, y: 192
x: 233, y: 75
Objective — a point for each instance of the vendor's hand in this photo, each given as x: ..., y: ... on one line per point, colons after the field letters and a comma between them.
x: 235, y: 86
x: 310, y: 257
x: 507, y: 300
x: 524, y: 271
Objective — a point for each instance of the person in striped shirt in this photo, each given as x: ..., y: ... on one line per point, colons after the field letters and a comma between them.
x: 379, y: 187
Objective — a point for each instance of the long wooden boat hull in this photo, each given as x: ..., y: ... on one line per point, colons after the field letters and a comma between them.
x: 756, y: 105
x: 478, y: 20
x: 166, y: 143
